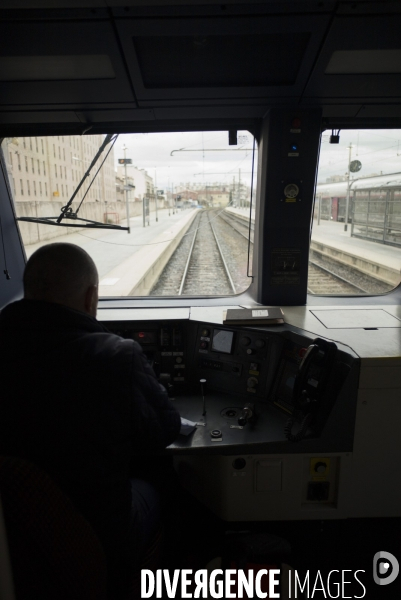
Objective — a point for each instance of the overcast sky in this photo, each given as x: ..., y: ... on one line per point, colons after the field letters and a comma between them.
x: 152, y: 151
x: 378, y: 150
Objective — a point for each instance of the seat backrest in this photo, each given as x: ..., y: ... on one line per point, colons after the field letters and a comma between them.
x: 54, y: 551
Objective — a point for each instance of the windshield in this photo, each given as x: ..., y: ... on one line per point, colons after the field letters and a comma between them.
x: 161, y: 214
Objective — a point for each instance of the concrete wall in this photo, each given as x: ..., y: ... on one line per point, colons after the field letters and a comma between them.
x: 95, y: 211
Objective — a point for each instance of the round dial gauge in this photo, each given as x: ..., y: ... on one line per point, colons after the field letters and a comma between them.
x: 291, y: 190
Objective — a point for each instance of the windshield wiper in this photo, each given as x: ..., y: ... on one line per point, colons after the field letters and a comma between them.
x: 67, y: 211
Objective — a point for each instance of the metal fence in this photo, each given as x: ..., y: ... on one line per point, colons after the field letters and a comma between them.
x: 376, y: 215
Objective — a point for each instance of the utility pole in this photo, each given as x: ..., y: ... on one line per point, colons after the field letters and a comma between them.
x: 239, y: 189
x: 347, y: 203
x: 126, y: 188
x: 155, y: 188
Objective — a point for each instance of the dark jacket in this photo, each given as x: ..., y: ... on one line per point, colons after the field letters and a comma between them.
x: 82, y: 403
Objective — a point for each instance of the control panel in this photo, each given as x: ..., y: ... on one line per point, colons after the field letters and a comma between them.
x: 237, y: 360
x: 247, y: 371
x: 164, y: 344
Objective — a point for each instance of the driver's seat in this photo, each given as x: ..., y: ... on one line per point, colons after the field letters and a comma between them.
x: 54, y: 551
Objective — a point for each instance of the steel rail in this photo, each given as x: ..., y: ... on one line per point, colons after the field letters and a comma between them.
x: 336, y: 277
x: 189, y: 258
x: 222, y: 258
x: 227, y: 220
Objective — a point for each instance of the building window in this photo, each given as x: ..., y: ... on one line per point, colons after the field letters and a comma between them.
x: 22, y: 187
x: 55, y: 169
x: 44, y: 168
x: 30, y: 143
x: 33, y: 166
x: 43, y: 151
x: 62, y: 190
x: 54, y: 151
x: 59, y: 153
x: 64, y: 153
x: 36, y: 143
x: 40, y: 187
x: 34, y: 187
x: 65, y: 172
x: 26, y: 164
x: 29, y: 188
x: 45, y: 188
x: 19, y: 161
x: 38, y: 167
x: 66, y: 190
x: 23, y: 140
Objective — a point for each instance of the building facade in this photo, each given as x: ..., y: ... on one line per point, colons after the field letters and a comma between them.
x: 141, y: 182
x: 50, y: 168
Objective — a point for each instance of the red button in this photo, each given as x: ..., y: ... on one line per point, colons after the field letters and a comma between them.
x: 302, y: 352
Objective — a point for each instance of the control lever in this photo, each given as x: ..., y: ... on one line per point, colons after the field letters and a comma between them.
x: 203, y: 391
x: 247, y: 414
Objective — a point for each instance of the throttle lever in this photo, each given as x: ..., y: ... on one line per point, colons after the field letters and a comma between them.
x: 246, y: 415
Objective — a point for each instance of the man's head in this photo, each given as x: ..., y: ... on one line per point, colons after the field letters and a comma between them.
x: 64, y: 274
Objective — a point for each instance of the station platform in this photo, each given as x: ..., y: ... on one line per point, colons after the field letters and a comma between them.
x: 124, y: 259
x: 374, y: 258
x: 331, y: 233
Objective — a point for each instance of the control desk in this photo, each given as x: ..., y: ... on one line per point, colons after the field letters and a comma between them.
x: 248, y: 390
x: 288, y: 416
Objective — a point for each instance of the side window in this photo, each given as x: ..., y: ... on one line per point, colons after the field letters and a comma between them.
x: 356, y: 234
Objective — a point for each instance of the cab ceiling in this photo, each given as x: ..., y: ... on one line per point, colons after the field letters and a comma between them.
x: 146, y: 64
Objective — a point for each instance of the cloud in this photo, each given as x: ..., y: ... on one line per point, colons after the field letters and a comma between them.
x: 378, y: 150
x: 200, y: 158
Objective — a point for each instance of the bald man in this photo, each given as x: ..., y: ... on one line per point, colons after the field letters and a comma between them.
x: 83, y: 403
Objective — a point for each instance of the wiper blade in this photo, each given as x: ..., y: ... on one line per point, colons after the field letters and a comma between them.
x: 67, y: 212
x: 87, y: 222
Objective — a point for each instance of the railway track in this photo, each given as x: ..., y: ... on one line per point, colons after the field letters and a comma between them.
x: 323, y: 281
x: 198, y: 266
x: 238, y: 224
x: 206, y: 268
x: 212, y: 261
